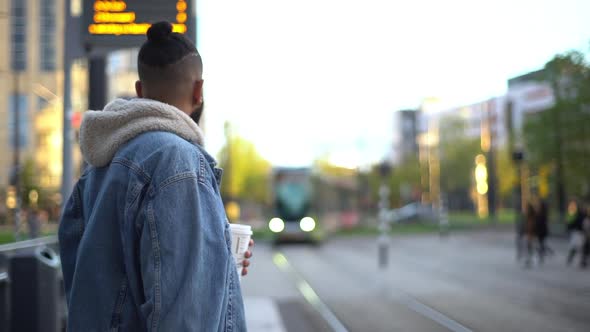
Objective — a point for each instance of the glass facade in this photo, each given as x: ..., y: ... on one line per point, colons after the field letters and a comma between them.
x: 22, y: 109
x: 47, y: 35
x: 18, y: 35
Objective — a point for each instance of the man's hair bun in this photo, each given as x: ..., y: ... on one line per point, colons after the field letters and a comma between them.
x: 159, y: 32
x: 164, y: 47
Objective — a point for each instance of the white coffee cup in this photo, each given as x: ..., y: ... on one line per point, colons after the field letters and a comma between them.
x: 240, y: 240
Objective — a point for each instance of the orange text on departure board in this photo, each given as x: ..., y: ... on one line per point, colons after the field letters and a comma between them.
x: 111, y: 18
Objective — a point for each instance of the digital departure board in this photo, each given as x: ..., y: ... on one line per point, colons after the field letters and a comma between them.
x: 124, y: 23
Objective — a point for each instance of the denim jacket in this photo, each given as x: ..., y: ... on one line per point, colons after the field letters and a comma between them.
x: 144, y: 240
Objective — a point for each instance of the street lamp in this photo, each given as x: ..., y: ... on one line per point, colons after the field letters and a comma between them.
x: 518, y: 158
x: 432, y: 107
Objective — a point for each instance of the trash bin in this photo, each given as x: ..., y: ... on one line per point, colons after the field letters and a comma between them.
x: 35, y: 292
x: 4, y: 302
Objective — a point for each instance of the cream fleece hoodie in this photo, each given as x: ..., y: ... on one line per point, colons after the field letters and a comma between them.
x: 102, y: 133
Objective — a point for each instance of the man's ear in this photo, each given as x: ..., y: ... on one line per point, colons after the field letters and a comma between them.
x: 198, y: 93
x: 138, y: 89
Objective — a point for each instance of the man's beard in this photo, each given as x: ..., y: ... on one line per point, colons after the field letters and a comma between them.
x: 197, y: 112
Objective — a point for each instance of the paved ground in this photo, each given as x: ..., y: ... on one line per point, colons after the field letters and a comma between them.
x: 467, y: 282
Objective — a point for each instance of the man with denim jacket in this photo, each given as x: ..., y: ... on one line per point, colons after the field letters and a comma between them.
x: 144, y: 240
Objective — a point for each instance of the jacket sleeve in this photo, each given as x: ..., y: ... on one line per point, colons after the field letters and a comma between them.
x: 184, y: 258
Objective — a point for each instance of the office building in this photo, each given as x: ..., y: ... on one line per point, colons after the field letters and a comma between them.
x: 405, y: 134
x: 31, y: 72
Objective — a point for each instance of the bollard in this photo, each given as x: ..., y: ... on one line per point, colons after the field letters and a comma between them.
x: 383, y: 251
x: 35, y: 291
x: 443, y: 220
x: 383, y: 239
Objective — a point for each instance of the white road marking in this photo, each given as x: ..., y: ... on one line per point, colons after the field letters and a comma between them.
x: 434, y: 315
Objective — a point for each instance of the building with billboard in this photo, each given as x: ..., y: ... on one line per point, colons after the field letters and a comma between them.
x: 527, y: 94
x: 497, y: 122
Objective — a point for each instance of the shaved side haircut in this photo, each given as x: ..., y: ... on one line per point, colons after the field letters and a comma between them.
x: 168, y: 63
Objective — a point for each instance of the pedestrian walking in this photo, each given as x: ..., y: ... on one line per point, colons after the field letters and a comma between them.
x: 586, y: 247
x: 530, y: 232
x: 575, y: 228
x: 33, y: 223
x: 144, y: 239
x: 542, y: 228
x: 520, y: 237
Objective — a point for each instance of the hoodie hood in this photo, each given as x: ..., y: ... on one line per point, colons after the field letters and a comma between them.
x: 102, y: 133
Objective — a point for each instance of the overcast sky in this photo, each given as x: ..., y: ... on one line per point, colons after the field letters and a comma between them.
x: 309, y: 77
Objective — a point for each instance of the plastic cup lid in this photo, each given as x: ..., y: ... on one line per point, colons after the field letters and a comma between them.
x: 241, y: 228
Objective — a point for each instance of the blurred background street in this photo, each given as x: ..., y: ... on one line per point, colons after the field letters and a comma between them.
x: 405, y: 165
x: 467, y: 281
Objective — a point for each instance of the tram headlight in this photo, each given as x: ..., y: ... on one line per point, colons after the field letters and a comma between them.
x: 307, y: 224
x: 276, y: 225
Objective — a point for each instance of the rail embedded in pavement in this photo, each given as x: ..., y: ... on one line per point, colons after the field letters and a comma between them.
x: 308, y: 293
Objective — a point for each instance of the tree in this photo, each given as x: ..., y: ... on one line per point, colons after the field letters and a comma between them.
x: 337, y: 190
x: 42, y: 198
x: 29, y: 182
x: 507, y: 174
x: 559, y: 137
x: 246, y: 172
x: 457, y: 155
x: 403, y: 181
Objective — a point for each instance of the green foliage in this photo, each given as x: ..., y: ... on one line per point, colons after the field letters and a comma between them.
x: 561, y: 133
x: 6, y: 237
x: 406, y: 178
x: 324, y: 166
x: 29, y: 182
x: 458, y: 221
x: 246, y: 173
x: 505, y: 173
x: 403, y: 181
x: 457, y: 155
